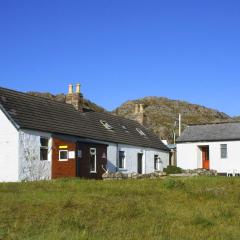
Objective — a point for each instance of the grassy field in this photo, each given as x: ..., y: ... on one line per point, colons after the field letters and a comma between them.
x: 196, y: 208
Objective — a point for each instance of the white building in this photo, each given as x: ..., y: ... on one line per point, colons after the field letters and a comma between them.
x: 210, y: 146
x: 45, y: 139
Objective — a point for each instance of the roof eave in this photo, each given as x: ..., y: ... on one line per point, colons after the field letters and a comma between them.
x: 208, y: 140
x: 9, y: 117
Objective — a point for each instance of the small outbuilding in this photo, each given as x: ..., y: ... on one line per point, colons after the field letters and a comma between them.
x: 210, y: 146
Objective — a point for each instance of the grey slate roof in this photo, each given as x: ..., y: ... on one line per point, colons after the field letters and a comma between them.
x: 211, y: 132
x: 36, y: 113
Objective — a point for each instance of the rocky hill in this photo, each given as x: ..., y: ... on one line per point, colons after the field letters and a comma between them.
x: 61, y: 98
x: 161, y: 114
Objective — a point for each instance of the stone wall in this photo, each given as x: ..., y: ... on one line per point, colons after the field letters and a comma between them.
x: 30, y: 166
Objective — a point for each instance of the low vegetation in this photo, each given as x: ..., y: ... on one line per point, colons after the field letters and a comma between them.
x: 191, y: 208
x: 172, y: 170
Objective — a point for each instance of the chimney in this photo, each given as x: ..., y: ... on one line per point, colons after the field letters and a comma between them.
x: 136, y: 108
x: 141, y: 109
x: 78, y: 88
x: 139, y: 113
x: 75, y: 98
x: 70, y: 89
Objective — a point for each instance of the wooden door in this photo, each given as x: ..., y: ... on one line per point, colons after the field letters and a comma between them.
x: 205, y: 157
x: 140, y: 158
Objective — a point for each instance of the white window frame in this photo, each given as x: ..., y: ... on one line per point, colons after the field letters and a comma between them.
x: 62, y: 160
x: 124, y: 160
x: 95, y: 160
x: 44, y: 147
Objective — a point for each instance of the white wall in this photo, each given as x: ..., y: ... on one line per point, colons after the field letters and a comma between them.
x: 189, y: 156
x: 30, y: 166
x: 131, y: 158
x: 8, y: 150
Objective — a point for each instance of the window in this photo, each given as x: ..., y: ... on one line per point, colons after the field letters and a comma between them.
x: 106, y: 125
x: 140, y: 132
x: 121, y: 159
x: 224, y: 152
x: 93, y: 159
x: 63, y: 155
x: 44, y: 149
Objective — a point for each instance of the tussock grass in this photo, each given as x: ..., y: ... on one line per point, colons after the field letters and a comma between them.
x: 196, y: 208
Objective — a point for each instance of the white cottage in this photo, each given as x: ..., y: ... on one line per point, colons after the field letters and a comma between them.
x: 210, y: 146
x: 45, y: 139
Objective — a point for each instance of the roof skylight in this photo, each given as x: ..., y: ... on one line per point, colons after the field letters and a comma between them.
x: 140, y: 132
x: 106, y: 125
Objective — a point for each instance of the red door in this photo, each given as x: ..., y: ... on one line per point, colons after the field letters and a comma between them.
x: 205, y: 157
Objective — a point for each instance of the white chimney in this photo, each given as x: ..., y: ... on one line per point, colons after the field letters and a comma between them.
x: 70, y: 89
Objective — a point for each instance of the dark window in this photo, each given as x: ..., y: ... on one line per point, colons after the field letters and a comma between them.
x: 63, y: 155
x: 93, y: 159
x: 156, y: 162
x: 121, y: 159
x: 224, y: 151
x: 44, y: 149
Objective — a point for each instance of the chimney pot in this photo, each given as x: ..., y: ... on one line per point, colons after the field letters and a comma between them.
x: 141, y: 108
x: 70, y: 89
x: 78, y: 86
x: 136, y: 108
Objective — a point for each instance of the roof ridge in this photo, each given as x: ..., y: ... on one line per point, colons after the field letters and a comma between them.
x: 215, y: 123
x: 34, y: 96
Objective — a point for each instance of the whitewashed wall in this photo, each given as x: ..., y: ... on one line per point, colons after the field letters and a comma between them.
x: 131, y: 158
x: 30, y: 166
x: 8, y: 150
x: 189, y: 156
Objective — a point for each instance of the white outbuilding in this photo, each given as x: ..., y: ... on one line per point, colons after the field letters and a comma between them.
x: 210, y: 146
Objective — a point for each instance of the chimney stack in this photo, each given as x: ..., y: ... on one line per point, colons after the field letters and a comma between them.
x: 75, y: 98
x: 139, y: 113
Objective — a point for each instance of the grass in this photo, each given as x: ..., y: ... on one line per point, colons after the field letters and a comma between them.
x: 196, y: 208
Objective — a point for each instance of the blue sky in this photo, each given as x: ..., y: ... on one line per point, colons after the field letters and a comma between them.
x: 124, y: 49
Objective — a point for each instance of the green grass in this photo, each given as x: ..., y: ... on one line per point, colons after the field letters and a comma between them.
x: 196, y: 208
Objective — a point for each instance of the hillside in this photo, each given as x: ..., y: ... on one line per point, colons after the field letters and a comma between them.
x: 162, y: 113
x: 61, y: 98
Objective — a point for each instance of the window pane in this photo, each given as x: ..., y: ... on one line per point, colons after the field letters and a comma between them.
x: 223, y: 150
x: 43, y: 154
x: 44, y: 142
x: 63, y: 155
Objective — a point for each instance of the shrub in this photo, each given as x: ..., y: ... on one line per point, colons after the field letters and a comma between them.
x: 172, y: 170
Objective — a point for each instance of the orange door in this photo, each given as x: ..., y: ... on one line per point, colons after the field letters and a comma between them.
x: 205, y: 157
